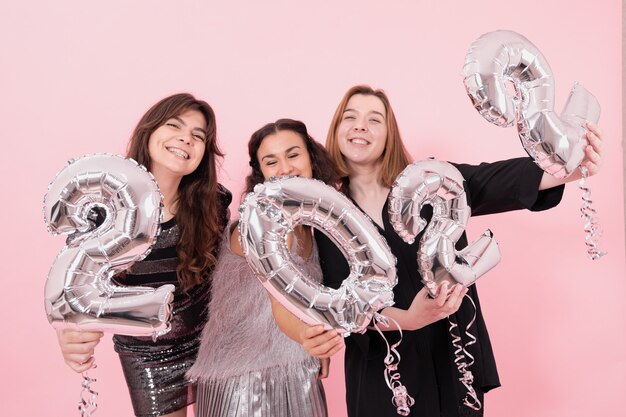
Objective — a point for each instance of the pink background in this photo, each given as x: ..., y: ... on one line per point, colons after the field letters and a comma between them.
x: 77, y: 75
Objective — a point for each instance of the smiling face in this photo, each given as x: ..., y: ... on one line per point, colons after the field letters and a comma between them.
x: 177, y: 147
x: 362, y: 131
x: 284, y: 153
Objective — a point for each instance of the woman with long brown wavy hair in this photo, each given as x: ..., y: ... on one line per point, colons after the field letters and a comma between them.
x: 176, y: 140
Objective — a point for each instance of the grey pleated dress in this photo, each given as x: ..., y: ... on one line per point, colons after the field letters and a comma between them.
x: 246, y: 367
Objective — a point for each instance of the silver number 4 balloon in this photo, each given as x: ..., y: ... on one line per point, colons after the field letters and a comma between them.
x: 510, y: 82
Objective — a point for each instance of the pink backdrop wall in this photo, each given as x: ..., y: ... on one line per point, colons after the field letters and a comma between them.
x: 76, y: 75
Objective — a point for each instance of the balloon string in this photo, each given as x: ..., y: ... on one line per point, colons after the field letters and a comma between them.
x: 401, y: 398
x: 87, y: 405
x: 460, y: 354
x: 592, y: 228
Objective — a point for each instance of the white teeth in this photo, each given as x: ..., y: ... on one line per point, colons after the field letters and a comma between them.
x: 359, y: 141
x: 179, y: 152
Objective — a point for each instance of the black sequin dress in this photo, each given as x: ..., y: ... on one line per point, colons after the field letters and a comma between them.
x: 155, y: 370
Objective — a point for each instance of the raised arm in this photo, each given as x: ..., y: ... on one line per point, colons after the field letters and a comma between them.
x: 519, y: 183
x: 593, y: 159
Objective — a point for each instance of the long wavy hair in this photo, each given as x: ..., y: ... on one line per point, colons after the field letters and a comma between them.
x: 198, y: 206
x: 395, y: 156
x: 321, y: 163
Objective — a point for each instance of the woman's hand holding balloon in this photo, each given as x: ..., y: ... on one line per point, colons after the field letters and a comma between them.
x: 78, y: 348
x: 595, y: 150
x: 315, y: 340
x: 428, y: 310
x: 321, y: 343
x: 594, y: 153
x: 425, y: 310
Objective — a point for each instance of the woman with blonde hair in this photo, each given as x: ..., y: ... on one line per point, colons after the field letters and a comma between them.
x: 365, y: 144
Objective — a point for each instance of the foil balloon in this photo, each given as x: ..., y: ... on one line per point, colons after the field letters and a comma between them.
x: 272, y: 211
x: 111, y: 209
x: 440, y: 185
x: 510, y: 82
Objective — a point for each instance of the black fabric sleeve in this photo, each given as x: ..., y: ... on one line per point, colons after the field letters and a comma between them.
x: 225, y: 197
x: 334, y: 265
x: 507, y: 185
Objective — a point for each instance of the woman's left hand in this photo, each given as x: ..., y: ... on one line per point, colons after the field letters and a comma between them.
x: 595, y: 150
x: 324, y: 368
x: 594, y: 153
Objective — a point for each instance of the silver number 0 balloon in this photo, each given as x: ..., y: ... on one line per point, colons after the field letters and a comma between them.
x: 510, y: 82
x: 274, y: 209
x: 440, y: 185
x: 79, y: 292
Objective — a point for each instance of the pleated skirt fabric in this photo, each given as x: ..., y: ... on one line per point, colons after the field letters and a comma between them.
x: 263, y: 394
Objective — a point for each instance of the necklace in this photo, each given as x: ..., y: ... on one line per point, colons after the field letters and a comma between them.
x: 167, y: 213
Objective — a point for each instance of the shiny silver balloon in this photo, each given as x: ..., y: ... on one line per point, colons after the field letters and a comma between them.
x: 111, y: 208
x: 510, y: 82
x: 440, y: 185
x: 273, y: 210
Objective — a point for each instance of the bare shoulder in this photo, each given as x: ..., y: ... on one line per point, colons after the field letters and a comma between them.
x: 234, y: 242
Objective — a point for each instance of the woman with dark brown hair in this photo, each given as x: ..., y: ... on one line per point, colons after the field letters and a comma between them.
x: 246, y: 366
x: 365, y: 144
x: 176, y: 141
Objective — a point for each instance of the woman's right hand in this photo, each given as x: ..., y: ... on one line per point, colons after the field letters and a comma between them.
x: 78, y: 348
x: 321, y: 343
x: 427, y: 310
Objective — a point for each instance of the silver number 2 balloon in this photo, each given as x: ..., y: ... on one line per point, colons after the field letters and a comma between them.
x: 272, y: 211
x: 79, y: 292
x: 510, y: 82
x: 440, y: 185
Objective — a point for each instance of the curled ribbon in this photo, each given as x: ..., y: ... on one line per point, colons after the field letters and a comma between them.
x: 460, y: 354
x: 592, y: 228
x: 401, y: 398
x: 87, y: 405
